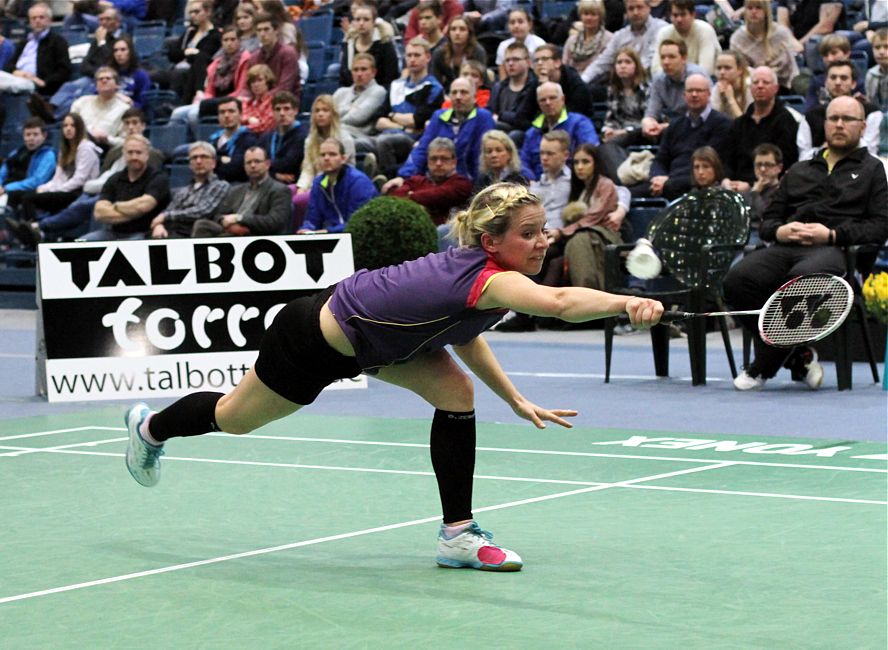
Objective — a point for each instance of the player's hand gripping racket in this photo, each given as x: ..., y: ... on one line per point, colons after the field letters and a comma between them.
x: 807, y: 308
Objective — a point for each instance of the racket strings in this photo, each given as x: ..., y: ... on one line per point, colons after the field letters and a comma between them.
x: 806, y: 309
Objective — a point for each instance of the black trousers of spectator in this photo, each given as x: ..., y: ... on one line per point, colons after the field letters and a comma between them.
x: 754, y: 278
x: 51, y: 202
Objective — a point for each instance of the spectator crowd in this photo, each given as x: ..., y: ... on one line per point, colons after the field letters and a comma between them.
x: 257, y: 119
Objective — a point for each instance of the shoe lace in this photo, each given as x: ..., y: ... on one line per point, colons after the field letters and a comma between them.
x: 475, y: 529
x: 151, y: 454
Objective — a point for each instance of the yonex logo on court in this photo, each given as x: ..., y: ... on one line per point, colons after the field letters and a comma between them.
x: 699, y: 444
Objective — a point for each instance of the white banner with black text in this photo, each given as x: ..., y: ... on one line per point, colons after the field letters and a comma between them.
x: 163, y: 318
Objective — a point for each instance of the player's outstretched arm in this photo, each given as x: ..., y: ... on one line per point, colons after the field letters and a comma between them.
x: 480, y: 359
x: 572, y: 304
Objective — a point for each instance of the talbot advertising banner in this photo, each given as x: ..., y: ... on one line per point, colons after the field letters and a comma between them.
x: 162, y: 318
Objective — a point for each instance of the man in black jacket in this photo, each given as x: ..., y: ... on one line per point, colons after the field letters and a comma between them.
x: 285, y: 144
x: 836, y: 199
x: 513, y: 99
x: 766, y: 120
x: 41, y: 62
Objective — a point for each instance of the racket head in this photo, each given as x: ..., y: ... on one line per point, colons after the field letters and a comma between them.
x: 805, y: 309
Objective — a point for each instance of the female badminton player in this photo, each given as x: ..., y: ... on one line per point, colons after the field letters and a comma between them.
x: 394, y: 323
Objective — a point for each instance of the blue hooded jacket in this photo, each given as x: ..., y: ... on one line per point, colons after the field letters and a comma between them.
x: 40, y: 169
x: 578, y: 127
x: 467, y: 141
x: 331, y: 211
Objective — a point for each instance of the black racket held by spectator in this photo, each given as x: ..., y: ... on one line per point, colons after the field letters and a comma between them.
x: 805, y: 309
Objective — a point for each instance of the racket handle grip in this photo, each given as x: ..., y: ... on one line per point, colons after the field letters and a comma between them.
x: 675, y: 316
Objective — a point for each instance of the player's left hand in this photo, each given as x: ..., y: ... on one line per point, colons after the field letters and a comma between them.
x: 537, y: 414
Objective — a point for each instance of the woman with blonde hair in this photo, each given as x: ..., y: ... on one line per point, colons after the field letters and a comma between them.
x: 764, y: 42
x: 324, y: 124
x: 499, y: 161
x: 588, y: 37
x: 396, y: 323
x: 245, y: 22
x: 731, y: 93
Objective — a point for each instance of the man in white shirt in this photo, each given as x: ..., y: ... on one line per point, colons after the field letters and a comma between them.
x: 103, y: 112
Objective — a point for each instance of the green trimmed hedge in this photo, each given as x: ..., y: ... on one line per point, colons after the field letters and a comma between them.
x: 389, y: 230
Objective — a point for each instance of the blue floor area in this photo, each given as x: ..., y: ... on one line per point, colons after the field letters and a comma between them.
x: 565, y: 370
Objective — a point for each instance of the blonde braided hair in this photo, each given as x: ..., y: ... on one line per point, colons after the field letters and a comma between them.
x: 490, y: 212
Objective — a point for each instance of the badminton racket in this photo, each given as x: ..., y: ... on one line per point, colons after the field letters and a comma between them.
x: 805, y: 309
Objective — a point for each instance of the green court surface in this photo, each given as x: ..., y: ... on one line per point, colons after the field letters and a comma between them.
x: 319, y: 531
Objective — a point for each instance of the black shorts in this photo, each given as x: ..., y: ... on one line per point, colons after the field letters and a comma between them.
x: 294, y: 359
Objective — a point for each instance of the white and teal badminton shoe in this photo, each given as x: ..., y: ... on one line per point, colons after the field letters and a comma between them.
x: 142, y: 459
x: 473, y: 548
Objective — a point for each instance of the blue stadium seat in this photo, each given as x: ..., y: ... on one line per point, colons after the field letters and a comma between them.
x: 10, y: 139
x: 794, y: 101
x: 861, y: 63
x: 159, y: 104
x: 309, y: 93
x: 317, y: 27
x: 16, y: 105
x: 206, y: 129
x: 75, y: 34
x: 148, y: 38
x: 317, y: 57
x: 168, y: 136
x: 180, y: 175
x: 551, y: 9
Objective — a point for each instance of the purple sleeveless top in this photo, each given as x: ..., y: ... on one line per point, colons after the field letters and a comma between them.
x: 393, y: 314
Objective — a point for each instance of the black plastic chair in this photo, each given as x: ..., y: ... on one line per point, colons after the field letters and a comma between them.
x: 697, y: 237
x: 858, y: 258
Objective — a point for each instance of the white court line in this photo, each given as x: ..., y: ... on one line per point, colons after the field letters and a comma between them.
x: 37, y: 434
x: 331, y: 538
x: 544, y: 452
x: 23, y: 451
x: 67, y: 449
x: 771, y: 495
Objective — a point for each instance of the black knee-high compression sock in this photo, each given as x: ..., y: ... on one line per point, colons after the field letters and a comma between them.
x: 193, y: 415
x: 453, y: 458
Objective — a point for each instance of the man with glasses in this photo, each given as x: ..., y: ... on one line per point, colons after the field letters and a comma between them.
x: 197, y: 200
x: 841, y: 79
x: 512, y: 100
x: 837, y: 198
x: 106, y: 33
x: 441, y: 189
x: 548, y: 67
x: 261, y: 206
x: 40, y: 63
x: 766, y: 121
x: 103, y: 112
x: 700, y: 126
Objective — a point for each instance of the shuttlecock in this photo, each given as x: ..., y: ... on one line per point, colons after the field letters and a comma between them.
x: 643, y: 261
